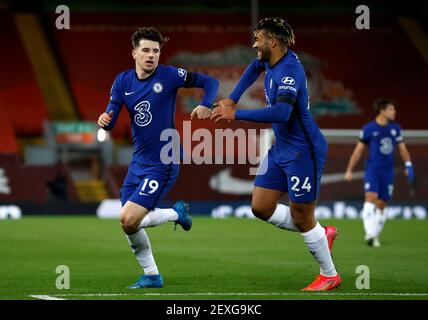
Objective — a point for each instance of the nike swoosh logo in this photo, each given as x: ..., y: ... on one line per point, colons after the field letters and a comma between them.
x: 298, y: 195
x: 330, y: 282
x: 143, y: 194
x: 224, y: 182
x: 128, y: 93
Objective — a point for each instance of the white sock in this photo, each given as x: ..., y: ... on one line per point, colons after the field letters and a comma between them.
x: 369, y: 220
x: 140, y: 245
x: 282, y: 218
x: 157, y: 217
x: 316, y: 240
x: 380, y: 217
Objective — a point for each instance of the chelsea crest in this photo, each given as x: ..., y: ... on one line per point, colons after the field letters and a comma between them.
x: 158, y: 87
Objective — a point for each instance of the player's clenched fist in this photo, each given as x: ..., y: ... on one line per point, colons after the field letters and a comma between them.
x: 201, y: 112
x: 105, y: 118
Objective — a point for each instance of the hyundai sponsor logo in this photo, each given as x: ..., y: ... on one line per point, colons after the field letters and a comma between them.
x: 288, y: 80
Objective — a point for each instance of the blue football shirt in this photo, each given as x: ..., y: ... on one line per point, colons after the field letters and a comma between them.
x: 299, y: 138
x: 382, y: 142
x: 151, y: 104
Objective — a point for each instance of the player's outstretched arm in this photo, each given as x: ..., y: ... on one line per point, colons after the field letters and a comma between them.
x: 278, y: 113
x: 210, y: 86
x: 249, y: 76
x: 355, y: 157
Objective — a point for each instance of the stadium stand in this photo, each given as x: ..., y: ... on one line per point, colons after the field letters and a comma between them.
x: 8, y: 143
x: 365, y: 62
x: 20, y: 97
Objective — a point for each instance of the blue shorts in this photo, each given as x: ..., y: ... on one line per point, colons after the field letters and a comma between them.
x: 300, y: 179
x: 147, y: 185
x: 380, y: 181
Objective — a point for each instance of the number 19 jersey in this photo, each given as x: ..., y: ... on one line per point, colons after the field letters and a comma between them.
x: 151, y: 106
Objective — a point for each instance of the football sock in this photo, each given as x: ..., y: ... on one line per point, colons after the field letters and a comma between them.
x: 140, y: 245
x: 316, y: 240
x: 369, y: 220
x: 282, y: 218
x: 157, y: 217
x: 380, y: 217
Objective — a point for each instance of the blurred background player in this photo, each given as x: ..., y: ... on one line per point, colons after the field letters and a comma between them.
x: 296, y: 161
x: 381, y: 136
x: 149, y: 93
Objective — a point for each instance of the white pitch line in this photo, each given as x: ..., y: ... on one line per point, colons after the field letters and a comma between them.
x: 385, y: 294
x: 45, y: 297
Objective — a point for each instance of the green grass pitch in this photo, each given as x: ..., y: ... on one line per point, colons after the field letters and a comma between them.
x: 218, y: 259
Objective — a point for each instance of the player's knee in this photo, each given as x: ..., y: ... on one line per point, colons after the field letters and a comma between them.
x: 262, y: 213
x: 256, y: 212
x: 128, y: 222
x: 381, y: 204
x: 128, y: 227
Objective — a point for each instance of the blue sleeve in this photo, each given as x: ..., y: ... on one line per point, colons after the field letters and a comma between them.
x: 399, y: 136
x: 115, y: 103
x: 365, y: 135
x: 185, y: 79
x: 250, y: 75
x: 279, y: 112
x: 178, y: 76
x: 288, y: 81
x: 210, y: 85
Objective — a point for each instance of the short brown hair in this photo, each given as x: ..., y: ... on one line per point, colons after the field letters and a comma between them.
x: 147, y: 33
x: 276, y: 27
x: 381, y: 104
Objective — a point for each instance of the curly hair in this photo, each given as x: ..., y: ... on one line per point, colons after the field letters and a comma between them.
x: 278, y: 28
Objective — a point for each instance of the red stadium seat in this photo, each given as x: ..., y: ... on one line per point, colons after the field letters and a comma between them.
x: 20, y: 96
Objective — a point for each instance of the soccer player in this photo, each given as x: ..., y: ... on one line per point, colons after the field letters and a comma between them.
x: 296, y: 160
x: 381, y: 136
x: 148, y: 92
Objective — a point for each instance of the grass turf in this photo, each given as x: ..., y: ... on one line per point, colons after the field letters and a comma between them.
x: 232, y: 256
